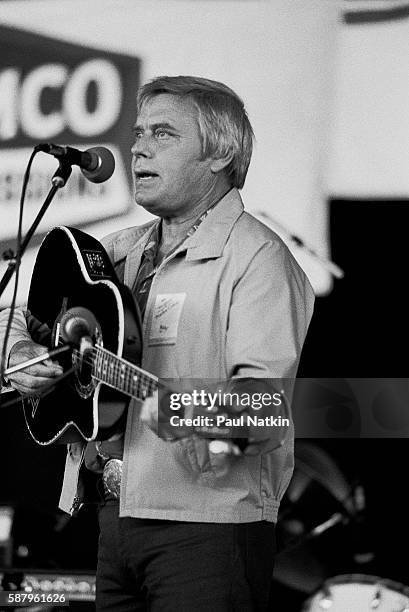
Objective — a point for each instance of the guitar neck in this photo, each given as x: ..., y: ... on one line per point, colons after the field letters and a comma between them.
x: 122, y: 375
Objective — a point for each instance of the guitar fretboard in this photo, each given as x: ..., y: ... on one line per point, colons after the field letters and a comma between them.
x: 122, y: 375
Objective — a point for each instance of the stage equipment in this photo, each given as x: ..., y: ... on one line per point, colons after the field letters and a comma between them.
x: 315, y: 516
x: 359, y: 593
x: 76, y: 586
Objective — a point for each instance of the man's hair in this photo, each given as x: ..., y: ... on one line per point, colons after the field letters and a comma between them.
x: 223, y: 122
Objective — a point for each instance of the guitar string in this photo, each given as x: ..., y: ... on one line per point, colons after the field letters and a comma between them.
x: 115, y: 365
x: 111, y: 368
x: 100, y: 352
x: 122, y: 372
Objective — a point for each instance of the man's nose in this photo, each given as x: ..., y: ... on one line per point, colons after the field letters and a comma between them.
x: 142, y: 147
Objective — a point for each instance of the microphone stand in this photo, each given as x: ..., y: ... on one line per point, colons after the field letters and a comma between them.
x: 58, y: 181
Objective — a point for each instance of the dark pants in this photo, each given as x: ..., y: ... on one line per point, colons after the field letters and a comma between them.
x: 174, y: 566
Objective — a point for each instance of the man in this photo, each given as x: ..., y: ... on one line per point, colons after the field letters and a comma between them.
x: 221, y: 299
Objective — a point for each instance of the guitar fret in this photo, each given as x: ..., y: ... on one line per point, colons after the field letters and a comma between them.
x: 151, y: 387
x: 123, y: 376
x: 99, y: 362
x: 134, y: 380
x: 127, y: 379
x: 130, y: 380
x: 111, y: 373
x: 104, y: 366
x: 107, y: 369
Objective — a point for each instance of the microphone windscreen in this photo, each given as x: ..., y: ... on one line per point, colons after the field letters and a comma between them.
x: 104, y: 167
x: 77, y: 323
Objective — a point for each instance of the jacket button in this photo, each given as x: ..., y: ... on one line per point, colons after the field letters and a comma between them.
x: 131, y: 339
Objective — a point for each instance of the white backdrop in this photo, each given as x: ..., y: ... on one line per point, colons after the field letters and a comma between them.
x: 370, y: 132
x: 279, y: 56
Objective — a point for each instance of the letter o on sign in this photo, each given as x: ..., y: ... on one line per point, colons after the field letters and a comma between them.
x: 109, y: 97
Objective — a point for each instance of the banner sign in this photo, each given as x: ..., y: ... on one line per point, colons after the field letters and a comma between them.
x: 53, y: 91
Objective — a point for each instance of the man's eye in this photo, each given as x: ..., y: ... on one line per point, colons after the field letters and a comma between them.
x: 137, y: 135
x: 162, y: 134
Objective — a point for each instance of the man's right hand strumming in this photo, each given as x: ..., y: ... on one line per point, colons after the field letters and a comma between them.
x: 36, y: 378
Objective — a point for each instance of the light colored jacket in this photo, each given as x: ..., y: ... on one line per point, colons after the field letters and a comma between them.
x: 236, y: 304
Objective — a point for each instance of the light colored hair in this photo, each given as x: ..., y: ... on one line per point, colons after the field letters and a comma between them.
x: 223, y: 122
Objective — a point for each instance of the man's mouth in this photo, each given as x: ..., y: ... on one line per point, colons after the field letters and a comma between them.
x: 145, y: 175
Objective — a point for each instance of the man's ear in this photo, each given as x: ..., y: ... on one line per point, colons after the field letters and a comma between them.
x: 220, y: 163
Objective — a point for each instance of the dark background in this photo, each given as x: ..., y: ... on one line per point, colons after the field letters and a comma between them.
x: 359, y: 330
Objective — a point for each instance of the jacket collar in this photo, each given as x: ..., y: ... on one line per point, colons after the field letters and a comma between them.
x: 211, y: 236
x: 133, y: 259
x: 129, y: 239
x: 207, y: 242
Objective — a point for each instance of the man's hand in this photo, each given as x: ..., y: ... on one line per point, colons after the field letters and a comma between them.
x: 36, y: 378
x: 150, y: 415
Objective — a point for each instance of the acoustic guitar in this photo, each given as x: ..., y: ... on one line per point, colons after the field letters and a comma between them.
x: 74, y: 274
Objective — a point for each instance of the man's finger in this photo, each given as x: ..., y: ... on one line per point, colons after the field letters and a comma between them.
x: 40, y: 370
x: 149, y: 411
x: 32, y: 381
x: 46, y: 371
x: 32, y: 389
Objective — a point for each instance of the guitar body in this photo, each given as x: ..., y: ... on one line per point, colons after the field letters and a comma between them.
x: 73, y: 270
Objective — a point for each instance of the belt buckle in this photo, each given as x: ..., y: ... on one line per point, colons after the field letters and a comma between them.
x: 112, y: 476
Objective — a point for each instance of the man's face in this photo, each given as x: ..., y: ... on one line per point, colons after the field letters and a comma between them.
x: 169, y: 175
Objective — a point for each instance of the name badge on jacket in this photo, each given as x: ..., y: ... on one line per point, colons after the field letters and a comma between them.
x: 165, y: 318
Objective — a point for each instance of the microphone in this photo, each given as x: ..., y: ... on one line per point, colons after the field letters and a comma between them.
x: 97, y: 164
x: 78, y: 326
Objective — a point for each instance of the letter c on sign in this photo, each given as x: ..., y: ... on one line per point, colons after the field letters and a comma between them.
x: 109, y: 97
